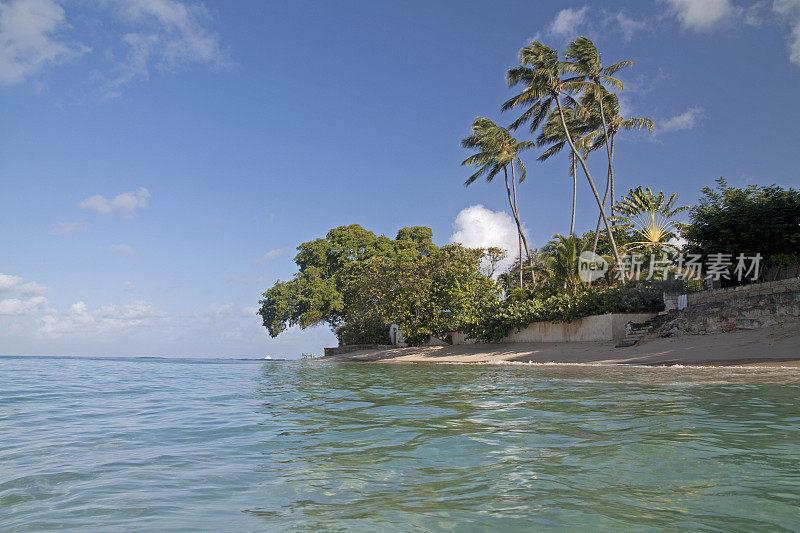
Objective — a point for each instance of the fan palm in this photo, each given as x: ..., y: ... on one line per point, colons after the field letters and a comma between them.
x: 651, y: 217
x: 541, y: 73
x: 498, y: 150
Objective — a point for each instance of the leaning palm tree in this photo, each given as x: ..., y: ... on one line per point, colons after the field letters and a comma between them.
x: 590, y: 106
x: 650, y: 216
x: 584, y: 61
x: 498, y: 150
x: 541, y: 74
x: 552, y: 134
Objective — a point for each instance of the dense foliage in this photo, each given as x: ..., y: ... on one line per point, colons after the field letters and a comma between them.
x: 501, y: 317
x: 752, y: 220
x: 359, y: 283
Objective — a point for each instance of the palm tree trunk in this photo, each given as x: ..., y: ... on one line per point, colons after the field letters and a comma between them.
x: 591, y: 182
x: 599, y: 217
x: 512, y: 203
x: 574, y: 194
x: 612, y: 173
x: 519, y: 229
x: 610, y: 167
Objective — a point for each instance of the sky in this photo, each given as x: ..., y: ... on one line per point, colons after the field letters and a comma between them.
x: 160, y: 160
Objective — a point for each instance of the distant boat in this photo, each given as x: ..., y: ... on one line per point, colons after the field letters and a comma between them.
x: 269, y: 358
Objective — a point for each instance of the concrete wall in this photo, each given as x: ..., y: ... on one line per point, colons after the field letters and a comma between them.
x: 591, y: 328
x: 353, y: 348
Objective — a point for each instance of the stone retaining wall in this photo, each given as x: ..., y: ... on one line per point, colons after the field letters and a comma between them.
x: 744, y: 307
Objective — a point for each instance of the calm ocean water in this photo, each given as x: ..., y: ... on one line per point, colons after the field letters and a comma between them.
x: 163, y: 445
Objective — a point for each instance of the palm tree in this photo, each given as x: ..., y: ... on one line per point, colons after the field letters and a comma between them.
x: 590, y: 104
x: 584, y: 60
x: 650, y: 216
x: 498, y: 150
x: 553, y: 134
x: 541, y: 73
x: 561, y: 261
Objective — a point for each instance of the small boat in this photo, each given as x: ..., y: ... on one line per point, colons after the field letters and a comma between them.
x: 268, y: 358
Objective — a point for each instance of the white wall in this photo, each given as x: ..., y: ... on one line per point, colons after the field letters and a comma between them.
x: 591, y: 328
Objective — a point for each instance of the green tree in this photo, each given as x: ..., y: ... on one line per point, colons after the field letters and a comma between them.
x: 756, y: 219
x: 498, y: 150
x: 541, y: 74
x: 561, y: 259
x: 359, y: 283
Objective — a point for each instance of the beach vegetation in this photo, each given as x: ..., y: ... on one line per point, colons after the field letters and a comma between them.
x: 546, y: 81
x: 497, y: 150
x: 359, y: 283
x: 650, y: 216
x: 752, y: 220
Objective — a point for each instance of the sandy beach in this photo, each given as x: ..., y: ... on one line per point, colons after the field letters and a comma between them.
x: 774, y: 346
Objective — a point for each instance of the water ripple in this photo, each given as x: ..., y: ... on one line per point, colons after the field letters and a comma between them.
x: 175, y: 445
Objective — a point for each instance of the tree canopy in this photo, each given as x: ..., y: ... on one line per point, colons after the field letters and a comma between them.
x: 756, y: 219
x: 359, y: 283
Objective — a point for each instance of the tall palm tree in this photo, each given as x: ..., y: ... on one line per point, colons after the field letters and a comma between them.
x: 590, y: 104
x: 553, y: 134
x: 651, y: 217
x: 583, y: 59
x: 541, y: 73
x: 498, y: 150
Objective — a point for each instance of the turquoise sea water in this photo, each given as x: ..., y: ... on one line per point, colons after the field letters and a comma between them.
x: 170, y: 445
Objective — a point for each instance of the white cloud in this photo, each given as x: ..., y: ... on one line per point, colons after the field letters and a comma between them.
x: 68, y: 228
x: 124, y: 204
x: 32, y: 289
x: 478, y: 227
x: 685, y: 121
x: 218, y: 310
x: 8, y: 282
x: 567, y: 22
x: 269, y: 256
x: 789, y: 10
x: 28, y: 39
x: 572, y: 22
x: 627, y: 25
x: 702, y: 15
x: 168, y: 34
x: 79, y: 320
x: 121, y: 248
x: 15, y: 306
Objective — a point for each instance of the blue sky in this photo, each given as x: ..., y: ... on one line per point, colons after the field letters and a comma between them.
x: 161, y: 160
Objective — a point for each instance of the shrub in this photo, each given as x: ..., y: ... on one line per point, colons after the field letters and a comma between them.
x: 495, y: 321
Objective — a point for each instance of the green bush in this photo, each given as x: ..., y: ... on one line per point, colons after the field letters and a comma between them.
x: 493, y: 322
x: 370, y: 330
